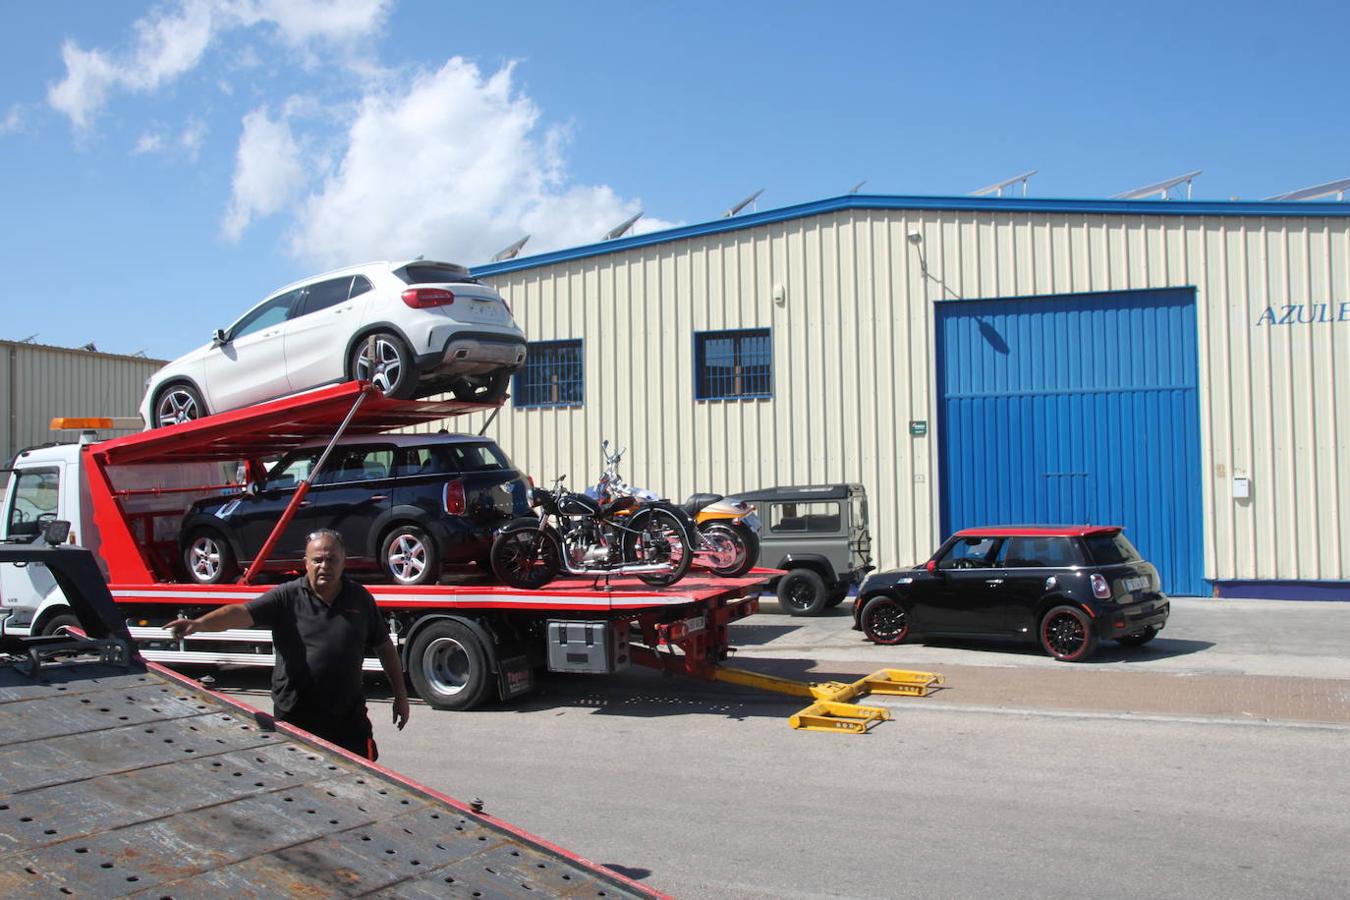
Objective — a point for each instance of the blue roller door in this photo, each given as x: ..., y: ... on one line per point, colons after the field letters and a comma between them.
x: 1078, y: 408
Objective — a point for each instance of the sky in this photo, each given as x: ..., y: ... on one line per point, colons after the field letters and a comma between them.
x: 166, y: 165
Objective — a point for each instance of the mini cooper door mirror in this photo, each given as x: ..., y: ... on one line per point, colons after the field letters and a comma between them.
x: 931, y: 566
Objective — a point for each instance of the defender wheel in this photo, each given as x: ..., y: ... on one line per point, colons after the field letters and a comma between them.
x: 1067, y: 635
x: 410, y: 556
x: 209, y: 559
x: 1140, y: 639
x: 801, y: 592
x: 449, y: 667
x: 386, y: 362
x: 177, y: 403
x: 884, y: 621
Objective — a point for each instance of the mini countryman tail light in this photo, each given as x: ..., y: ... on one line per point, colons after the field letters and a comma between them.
x: 1100, y: 589
x: 424, y: 298
x: 454, y: 498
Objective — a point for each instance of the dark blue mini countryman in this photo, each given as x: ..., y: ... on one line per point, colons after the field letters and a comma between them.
x: 405, y: 505
x: 1066, y: 587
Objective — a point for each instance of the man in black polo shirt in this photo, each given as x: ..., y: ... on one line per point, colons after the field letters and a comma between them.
x: 322, y: 627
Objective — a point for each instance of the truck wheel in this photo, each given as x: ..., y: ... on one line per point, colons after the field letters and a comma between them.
x: 1066, y: 634
x: 837, y: 596
x: 884, y: 621
x: 448, y: 666
x: 801, y: 592
x: 209, y: 559
x: 177, y: 403
x: 56, y: 622
x: 411, y: 556
x: 390, y: 367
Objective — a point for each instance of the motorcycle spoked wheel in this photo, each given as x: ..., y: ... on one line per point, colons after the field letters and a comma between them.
x: 659, y: 537
x: 735, y: 548
x: 525, y: 559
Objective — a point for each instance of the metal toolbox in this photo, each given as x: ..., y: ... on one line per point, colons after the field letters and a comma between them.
x: 597, y: 647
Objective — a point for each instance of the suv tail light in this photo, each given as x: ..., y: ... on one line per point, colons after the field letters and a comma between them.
x: 1100, y: 589
x: 455, y: 504
x: 424, y: 298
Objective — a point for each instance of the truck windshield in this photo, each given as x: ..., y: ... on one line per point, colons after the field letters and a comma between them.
x: 1110, y: 549
x: 35, y: 493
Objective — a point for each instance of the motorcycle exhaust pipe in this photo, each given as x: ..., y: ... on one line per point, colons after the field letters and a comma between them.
x: 639, y: 569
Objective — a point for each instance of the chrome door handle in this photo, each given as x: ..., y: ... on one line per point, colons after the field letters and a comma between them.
x: 377, y: 498
x: 992, y: 582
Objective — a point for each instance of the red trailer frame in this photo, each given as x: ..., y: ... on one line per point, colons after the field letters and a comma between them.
x: 691, y: 616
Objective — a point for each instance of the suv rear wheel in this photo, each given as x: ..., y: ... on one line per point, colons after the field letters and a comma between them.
x: 480, y: 388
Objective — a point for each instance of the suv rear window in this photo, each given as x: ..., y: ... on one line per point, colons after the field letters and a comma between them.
x: 1110, y: 549
x: 430, y: 273
x: 449, y: 459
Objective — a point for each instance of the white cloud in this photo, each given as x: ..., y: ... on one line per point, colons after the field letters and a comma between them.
x: 150, y: 142
x: 193, y: 137
x: 452, y: 166
x: 14, y: 120
x: 171, y: 41
x: 269, y: 172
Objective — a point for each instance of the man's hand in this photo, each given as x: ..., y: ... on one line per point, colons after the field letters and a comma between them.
x: 181, y: 628
x: 401, y: 711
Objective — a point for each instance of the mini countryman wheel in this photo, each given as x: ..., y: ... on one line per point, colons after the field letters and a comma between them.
x: 177, y: 403
x: 449, y: 666
x: 410, y: 556
x: 1066, y: 634
x: 884, y: 621
x: 209, y: 559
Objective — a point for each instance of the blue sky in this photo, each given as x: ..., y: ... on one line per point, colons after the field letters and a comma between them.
x: 166, y: 165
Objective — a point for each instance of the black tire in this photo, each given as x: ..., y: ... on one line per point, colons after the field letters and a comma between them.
x: 395, y: 371
x: 1067, y: 634
x: 51, y: 626
x: 658, y: 535
x: 1140, y: 639
x: 884, y: 620
x: 801, y: 592
x: 208, y: 558
x: 837, y: 596
x: 527, y: 559
x: 409, y: 555
x: 480, y: 388
x: 747, y: 548
x: 449, y: 666
x: 175, y: 403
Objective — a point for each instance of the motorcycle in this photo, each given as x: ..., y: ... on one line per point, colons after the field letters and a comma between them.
x: 583, y: 536
x: 726, y: 532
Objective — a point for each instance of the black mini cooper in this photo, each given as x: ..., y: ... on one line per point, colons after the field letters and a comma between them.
x: 405, y: 505
x: 1067, y: 587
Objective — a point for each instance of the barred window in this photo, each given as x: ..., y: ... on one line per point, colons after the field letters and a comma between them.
x: 552, y: 375
x: 732, y: 365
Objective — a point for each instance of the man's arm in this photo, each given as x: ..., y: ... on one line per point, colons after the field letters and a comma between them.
x: 222, y: 618
x: 393, y: 670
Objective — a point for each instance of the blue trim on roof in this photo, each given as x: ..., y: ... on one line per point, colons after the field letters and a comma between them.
x: 1268, y: 208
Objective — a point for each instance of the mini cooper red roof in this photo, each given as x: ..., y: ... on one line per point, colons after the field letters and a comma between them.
x: 1038, y: 530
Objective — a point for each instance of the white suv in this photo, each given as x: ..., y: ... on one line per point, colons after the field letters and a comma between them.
x: 411, y: 328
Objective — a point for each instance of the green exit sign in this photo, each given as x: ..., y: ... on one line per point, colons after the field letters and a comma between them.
x: 918, y: 427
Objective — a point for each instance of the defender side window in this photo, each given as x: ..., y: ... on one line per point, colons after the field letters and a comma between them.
x: 818, y: 516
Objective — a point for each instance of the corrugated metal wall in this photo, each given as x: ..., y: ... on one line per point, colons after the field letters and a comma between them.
x: 853, y: 360
x: 39, y: 382
x: 1076, y: 408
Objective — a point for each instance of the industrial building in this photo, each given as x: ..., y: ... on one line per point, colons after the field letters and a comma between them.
x: 39, y: 382
x: 1181, y: 368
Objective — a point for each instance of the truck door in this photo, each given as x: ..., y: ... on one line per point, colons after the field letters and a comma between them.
x: 33, y: 500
